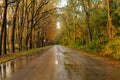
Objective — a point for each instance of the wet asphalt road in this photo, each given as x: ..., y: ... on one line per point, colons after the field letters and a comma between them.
x: 59, y: 63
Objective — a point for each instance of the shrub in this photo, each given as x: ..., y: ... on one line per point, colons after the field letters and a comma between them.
x: 113, y: 48
x: 96, y: 45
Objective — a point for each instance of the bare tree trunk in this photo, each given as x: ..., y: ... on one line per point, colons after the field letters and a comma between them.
x: 88, y: 28
x: 26, y: 41
x: 87, y: 12
x: 13, y: 29
x: 110, y: 26
x: 32, y: 24
x: 38, y: 39
x: 20, y: 42
x: 21, y: 26
x: 4, y: 31
x: 31, y: 44
x: 1, y: 36
x: 4, y: 41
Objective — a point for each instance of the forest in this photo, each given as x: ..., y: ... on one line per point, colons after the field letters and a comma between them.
x: 26, y: 24
x: 92, y: 25
x: 59, y: 39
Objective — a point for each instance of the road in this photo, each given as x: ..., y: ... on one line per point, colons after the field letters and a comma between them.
x: 60, y: 63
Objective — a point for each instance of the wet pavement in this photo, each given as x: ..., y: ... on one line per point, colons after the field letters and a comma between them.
x: 82, y: 67
x: 9, y: 68
x: 58, y: 63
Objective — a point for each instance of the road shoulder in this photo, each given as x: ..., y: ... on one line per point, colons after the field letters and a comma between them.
x: 106, y: 59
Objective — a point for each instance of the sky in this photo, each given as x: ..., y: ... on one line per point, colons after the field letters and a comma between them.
x: 58, y: 25
x: 62, y: 3
x: 1, y: 1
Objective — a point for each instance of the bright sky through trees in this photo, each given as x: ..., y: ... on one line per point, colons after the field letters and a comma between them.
x: 1, y: 1
x: 62, y: 3
x: 58, y: 25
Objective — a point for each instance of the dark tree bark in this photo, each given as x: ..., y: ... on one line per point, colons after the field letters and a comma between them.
x: 32, y: 24
x: 110, y: 26
x: 13, y: 28
x: 21, y: 27
x: 87, y: 13
x: 3, y: 30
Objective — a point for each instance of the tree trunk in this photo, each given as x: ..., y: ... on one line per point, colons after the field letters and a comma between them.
x: 26, y: 42
x: 13, y: 29
x: 110, y: 26
x: 21, y: 27
x: 32, y: 24
x: 87, y: 13
x: 31, y: 44
x: 1, y: 36
x: 20, y: 42
x: 88, y: 28
x: 4, y: 31
x: 4, y: 41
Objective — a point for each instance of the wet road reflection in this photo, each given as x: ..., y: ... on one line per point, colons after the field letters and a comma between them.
x: 58, y: 63
x: 80, y: 67
x: 61, y: 71
x: 7, y: 69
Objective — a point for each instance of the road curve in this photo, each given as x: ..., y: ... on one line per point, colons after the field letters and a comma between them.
x: 60, y: 63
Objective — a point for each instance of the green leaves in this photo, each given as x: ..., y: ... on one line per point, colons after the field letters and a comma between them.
x: 113, y: 48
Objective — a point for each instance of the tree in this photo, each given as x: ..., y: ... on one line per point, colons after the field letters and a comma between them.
x: 110, y: 26
x: 3, y: 30
x: 14, y: 27
x: 87, y: 12
x: 27, y: 16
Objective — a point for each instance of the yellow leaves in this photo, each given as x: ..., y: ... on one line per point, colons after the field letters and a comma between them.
x: 113, y: 47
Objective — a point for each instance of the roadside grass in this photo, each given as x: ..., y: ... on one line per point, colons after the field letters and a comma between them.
x: 8, y: 57
x: 106, y: 59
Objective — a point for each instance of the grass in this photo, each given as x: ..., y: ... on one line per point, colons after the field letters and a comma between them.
x: 101, y: 57
x: 8, y: 57
x: 106, y: 59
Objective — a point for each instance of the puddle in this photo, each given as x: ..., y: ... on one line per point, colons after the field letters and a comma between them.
x: 7, y: 69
